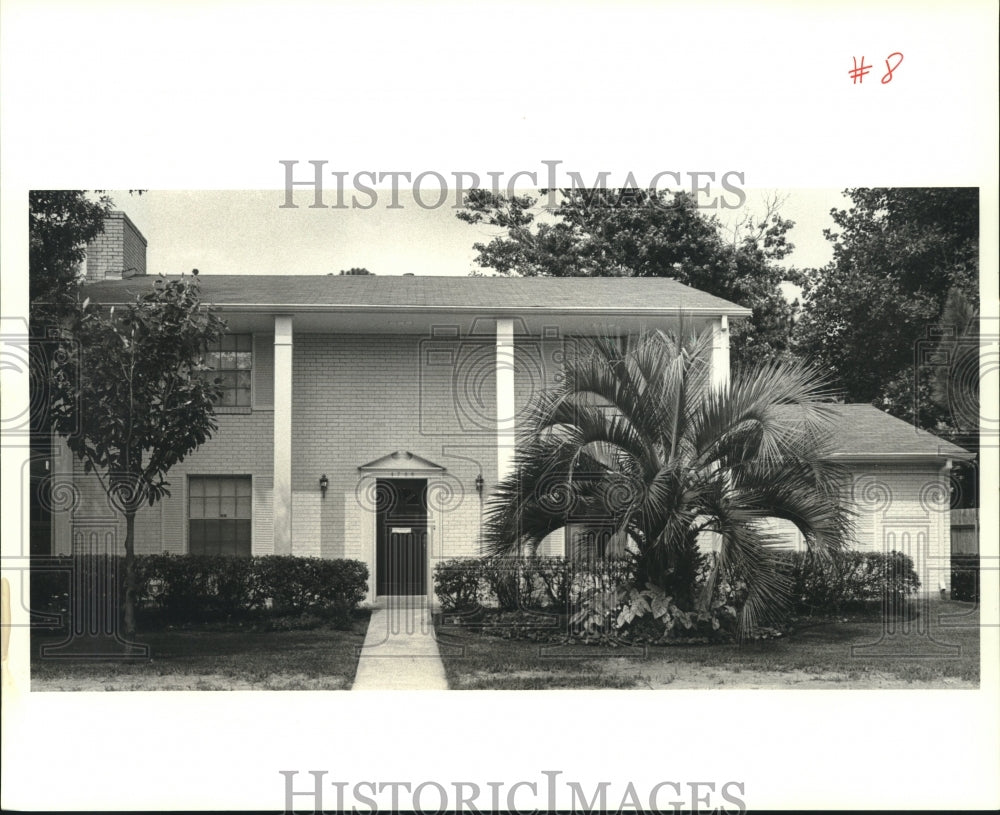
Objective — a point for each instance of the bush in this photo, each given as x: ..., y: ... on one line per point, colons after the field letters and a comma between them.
x: 457, y: 583
x: 295, y: 585
x: 850, y: 580
x: 179, y: 589
x: 53, y: 582
x: 601, y: 601
x: 529, y: 583
x: 196, y: 588
x: 965, y: 577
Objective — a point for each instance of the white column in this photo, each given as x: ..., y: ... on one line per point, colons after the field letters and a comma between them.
x: 283, y: 435
x: 720, y: 352
x: 505, y: 398
x: 943, y: 554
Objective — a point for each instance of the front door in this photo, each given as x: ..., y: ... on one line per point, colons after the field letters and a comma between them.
x: 401, y: 537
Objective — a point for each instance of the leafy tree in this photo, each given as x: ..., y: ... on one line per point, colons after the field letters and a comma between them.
x: 646, y: 233
x: 61, y: 224
x: 131, y: 400
x: 955, y: 382
x: 635, y: 438
x: 868, y: 314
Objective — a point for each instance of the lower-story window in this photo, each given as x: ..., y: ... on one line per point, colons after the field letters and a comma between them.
x: 219, y: 515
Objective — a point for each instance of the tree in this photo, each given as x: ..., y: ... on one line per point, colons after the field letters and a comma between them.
x: 647, y: 233
x: 131, y: 399
x: 869, y: 313
x: 635, y: 438
x: 954, y: 380
x: 61, y: 224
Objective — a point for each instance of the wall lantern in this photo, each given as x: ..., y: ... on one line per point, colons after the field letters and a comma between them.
x: 479, y: 483
x: 324, y: 482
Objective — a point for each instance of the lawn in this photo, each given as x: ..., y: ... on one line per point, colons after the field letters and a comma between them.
x: 851, y: 652
x: 214, y: 658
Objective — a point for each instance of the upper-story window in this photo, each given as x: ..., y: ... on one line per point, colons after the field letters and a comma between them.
x: 232, y: 360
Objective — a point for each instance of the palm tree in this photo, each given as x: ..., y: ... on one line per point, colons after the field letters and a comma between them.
x: 635, y: 438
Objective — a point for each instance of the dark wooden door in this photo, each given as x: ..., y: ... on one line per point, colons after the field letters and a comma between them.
x: 401, y: 537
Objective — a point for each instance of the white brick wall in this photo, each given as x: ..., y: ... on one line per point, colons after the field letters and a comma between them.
x: 905, y: 508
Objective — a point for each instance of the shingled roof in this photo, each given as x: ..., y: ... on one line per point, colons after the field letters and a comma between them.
x: 862, y: 431
x: 605, y: 295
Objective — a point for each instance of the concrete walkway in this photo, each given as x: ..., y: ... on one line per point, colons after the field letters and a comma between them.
x: 399, y: 651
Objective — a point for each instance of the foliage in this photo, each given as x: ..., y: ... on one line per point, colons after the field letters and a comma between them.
x: 522, y: 583
x: 599, y: 602
x: 129, y: 397
x: 61, y: 224
x: 955, y: 385
x: 635, y: 440
x: 897, y: 254
x: 965, y: 577
x: 849, y: 579
x: 646, y: 233
x: 457, y: 584
x: 296, y: 584
x: 181, y: 589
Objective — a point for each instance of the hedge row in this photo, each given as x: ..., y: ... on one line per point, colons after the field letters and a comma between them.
x: 849, y: 579
x: 463, y: 584
x: 176, y: 589
x: 815, y: 584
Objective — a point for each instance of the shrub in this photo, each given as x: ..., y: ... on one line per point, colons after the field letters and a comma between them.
x: 850, y: 580
x: 196, y: 588
x: 457, y: 583
x: 178, y: 589
x: 965, y: 577
x: 54, y: 582
x: 295, y: 585
x: 529, y: 583
x: 553, y: 579
x: 601, y: 600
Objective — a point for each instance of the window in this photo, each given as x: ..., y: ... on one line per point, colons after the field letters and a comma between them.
x: 231, y: 359
x: 219, y: 515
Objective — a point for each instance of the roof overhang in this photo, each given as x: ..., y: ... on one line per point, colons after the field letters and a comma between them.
x: 901, y: 458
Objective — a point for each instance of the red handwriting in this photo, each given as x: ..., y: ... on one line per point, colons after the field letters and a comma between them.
x: 859, y: 72
x: 890, y: 68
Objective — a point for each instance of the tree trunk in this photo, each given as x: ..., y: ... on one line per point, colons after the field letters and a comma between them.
x: 130, y: 573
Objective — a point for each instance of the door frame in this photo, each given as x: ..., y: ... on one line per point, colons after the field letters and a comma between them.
x: 425, y: 481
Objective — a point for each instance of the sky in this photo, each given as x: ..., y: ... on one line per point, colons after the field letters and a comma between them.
x: 248, y: 232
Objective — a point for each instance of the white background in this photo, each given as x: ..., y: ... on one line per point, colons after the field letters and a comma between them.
x: 211, y: 96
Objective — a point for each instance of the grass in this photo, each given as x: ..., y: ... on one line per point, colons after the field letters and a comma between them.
x: 214, y: 658
x: 850, y: 653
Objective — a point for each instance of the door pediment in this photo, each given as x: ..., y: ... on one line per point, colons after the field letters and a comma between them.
x: 401, y: 460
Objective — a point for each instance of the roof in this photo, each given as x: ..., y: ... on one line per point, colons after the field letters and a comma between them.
x: 863, y: 432
x: 604, y: 295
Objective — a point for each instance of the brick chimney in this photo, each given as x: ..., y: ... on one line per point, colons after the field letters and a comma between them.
x: 120, y: 251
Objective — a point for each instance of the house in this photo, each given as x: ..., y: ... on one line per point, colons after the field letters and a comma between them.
x: 369, y: 417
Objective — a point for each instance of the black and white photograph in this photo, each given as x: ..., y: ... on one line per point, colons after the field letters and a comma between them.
x: 440, y: 459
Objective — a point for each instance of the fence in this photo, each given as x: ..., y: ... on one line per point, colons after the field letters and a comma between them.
x: 965, y: 531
